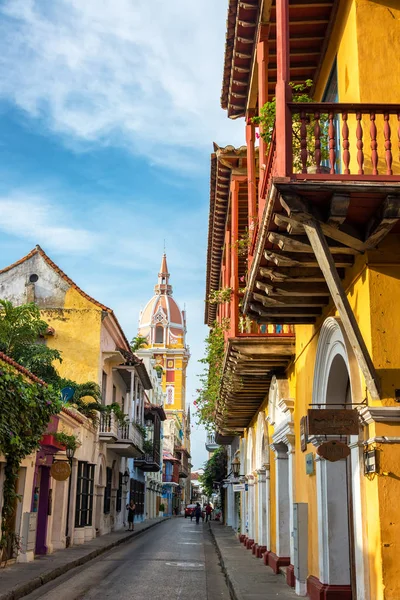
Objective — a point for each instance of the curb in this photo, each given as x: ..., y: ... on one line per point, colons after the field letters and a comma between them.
x: 27, y: 588
x: 234, y: 593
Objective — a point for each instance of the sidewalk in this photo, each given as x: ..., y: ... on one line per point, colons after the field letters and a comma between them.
x: 21, y: 579
x: 247, y: 576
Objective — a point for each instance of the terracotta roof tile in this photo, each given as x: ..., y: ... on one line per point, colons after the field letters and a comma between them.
x: 21, y: 369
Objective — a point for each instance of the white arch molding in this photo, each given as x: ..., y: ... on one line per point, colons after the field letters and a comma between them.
x: 250, y: 451
x: 243, y: 507
x: 263, y: 489
x: 337, y: 379
x: 280, y: 416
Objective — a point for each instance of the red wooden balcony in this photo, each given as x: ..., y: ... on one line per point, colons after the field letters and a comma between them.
x: 341, y: 171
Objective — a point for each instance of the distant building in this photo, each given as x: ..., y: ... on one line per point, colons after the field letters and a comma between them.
x: 163, y: 325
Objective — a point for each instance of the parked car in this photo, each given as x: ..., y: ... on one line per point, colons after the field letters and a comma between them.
x: 189, y: 510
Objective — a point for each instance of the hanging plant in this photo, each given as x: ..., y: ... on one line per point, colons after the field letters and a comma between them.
x: 220, y: 296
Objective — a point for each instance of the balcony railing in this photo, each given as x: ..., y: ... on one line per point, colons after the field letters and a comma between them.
x: 211, y: 444
x: 171, y: 478
x: 129, y: 433
x: 114, y: 433
x: 358, y: 140
x: 108, y: 427
x: 151, y: 460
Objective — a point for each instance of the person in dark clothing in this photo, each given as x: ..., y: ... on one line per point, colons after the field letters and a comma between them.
x: 131, y: 507
x: 197, y: 513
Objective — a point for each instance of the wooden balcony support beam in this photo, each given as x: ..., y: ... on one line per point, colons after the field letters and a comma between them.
x: 382, y: 222
x: 328, y: 268
x: 290, y: 301
x: 295, y: 274
x: 299, y: 243
x: 293, y: 289
x: 298, y: 260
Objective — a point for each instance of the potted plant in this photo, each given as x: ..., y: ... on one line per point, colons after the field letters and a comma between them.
x: 266, y: 122
x: 67, y: 442
x: 161, y: 509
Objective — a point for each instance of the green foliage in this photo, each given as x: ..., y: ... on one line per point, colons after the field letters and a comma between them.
x: 26, y: 409
x: 68, y: 441
x: 116, y: 409
x: 140, y: 428
x: 220, y: 296
x: 79, y: 401
x: 266, y: 122
x: 161, y: 508
x: 148, y: 447
x: 138, y: 342
x: 210, y: 379
x: 214, y: 470
x: 20, y: 328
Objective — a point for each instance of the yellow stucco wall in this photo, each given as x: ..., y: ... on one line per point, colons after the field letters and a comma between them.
x: 373, y: 288
x: 77, y: 335
x: 365, y: 41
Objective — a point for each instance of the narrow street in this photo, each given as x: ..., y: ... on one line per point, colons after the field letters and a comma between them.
x: 175, y: 560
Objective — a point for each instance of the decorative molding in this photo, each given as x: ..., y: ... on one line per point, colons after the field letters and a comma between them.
x: 284, y: 435
x: 383, y: 440
x: 380, y: 414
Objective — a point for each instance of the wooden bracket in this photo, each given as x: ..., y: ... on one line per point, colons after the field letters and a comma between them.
x: 328, y: 268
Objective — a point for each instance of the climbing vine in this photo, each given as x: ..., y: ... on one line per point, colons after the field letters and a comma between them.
x: 210, y: 380
x: 26, y: 409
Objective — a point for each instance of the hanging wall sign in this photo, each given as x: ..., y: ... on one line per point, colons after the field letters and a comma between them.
x: 60, y: 470
x: 303, y: 434
x: 333, y: 451
x: 238, y: 487
x: 331, y: 421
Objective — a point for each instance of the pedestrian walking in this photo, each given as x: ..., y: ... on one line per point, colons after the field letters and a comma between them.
x: 131, y: 507
x: 208, y: 512
x: 197, y: 512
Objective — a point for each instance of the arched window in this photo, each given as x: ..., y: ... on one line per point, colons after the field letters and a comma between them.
x: 159, y: 334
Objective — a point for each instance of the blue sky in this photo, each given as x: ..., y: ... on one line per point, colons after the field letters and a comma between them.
x: 108, y: 111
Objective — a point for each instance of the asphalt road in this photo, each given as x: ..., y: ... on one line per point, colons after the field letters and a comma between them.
x: 175, y: 560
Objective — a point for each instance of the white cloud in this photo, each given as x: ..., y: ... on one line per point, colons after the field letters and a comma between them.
x: 31, y: 217
x: 143, y: 74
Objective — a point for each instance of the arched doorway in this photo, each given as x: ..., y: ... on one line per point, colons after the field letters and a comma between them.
x: 340, y: 532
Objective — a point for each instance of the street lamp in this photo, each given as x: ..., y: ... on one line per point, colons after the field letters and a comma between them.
x: 236, y: 467
x: 125, y: 478
x: 70, y: 452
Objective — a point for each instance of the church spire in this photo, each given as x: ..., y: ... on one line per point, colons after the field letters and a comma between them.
x: 163, y: 286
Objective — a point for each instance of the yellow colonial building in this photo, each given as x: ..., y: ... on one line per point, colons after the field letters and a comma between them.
x: 163, y: 324
x: 310, y: 391
x: 93, y: 348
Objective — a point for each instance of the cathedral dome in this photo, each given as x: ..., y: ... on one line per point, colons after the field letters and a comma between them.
x: 161, y: 321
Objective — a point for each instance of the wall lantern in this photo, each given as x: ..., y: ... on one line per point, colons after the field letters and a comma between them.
x: 70, y: 454
x: 125, y: 478
x: 370, y: 462
x: 236, y: 467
